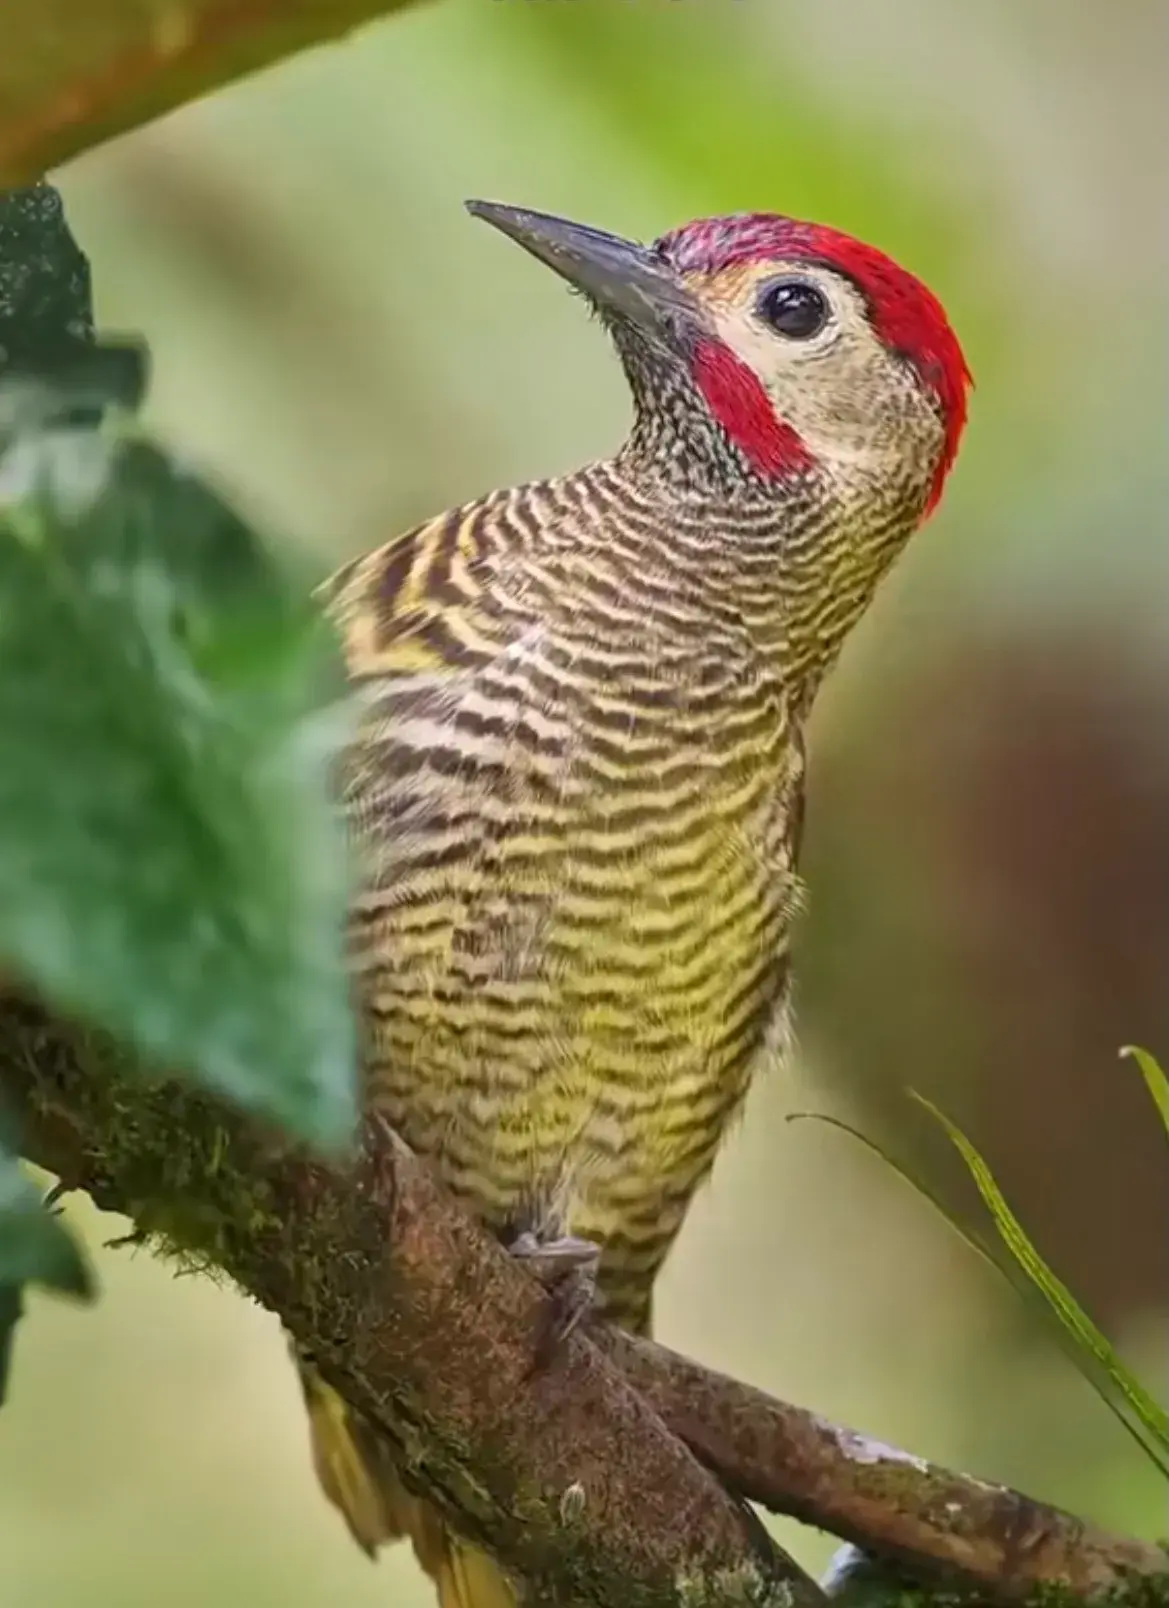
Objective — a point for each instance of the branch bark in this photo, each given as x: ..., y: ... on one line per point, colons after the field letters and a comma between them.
x: 933, y: 1521
x: 565, y: 1474
x: 593, y: 1479
x: 74, y: 73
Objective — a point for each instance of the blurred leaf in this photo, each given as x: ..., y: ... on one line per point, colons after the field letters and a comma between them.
x: 73, y: 73
x: 1155, y: 1079
x: 11, y: 1312
x: 35, y: 1248
x: 35, y: 1245
x: 170, y: 864
x: 46, y: 299
x: 1029, y: 1275
x: 47, y: 345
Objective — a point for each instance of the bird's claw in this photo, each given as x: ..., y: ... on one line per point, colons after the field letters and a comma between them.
x: 553, y: 1260
x: 566, y: 1267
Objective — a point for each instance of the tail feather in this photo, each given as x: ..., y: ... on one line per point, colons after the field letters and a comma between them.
x: 357, y: 1472
x: 353, y: 1466
x: 468, y: 1578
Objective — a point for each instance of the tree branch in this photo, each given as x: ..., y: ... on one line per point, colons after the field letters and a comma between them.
x: 423, y: 1324
x: 930, y: 1519
x: 427, y: 1327
x: 74, y: 73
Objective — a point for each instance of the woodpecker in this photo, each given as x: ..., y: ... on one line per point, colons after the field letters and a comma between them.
x: 578, y: 780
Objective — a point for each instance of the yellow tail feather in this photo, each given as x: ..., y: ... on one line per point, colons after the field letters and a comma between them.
x: 357, y: 1473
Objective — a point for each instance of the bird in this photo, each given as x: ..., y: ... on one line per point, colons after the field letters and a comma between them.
x: 577, y: 778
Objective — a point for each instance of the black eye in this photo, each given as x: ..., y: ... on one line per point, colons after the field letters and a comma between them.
x: 794, y: 308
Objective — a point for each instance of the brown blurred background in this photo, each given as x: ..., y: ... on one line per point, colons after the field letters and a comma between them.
x: 987, y: 855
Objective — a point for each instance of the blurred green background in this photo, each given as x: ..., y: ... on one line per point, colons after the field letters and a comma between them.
x: 987, y: 852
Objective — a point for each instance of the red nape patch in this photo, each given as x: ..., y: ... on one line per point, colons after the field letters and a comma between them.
x: 906, y: 315
x: 743, y: 408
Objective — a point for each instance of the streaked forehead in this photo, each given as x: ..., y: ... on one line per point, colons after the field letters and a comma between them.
x: 709, y: 244
x: 739, y: 239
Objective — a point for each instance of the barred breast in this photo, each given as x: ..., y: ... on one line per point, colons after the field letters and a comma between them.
x: 578, y: 792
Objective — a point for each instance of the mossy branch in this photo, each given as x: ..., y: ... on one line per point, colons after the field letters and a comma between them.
x: 428, y: 1328
x: 422, y: 1323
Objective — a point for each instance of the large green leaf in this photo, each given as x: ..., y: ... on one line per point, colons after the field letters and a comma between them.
x: 170, y: 865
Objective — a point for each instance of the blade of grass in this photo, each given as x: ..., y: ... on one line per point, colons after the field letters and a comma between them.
x: 1155, y: 1079
x: 1087, y: 1348
x: 969, y: 1236
x: 1087, y: 1338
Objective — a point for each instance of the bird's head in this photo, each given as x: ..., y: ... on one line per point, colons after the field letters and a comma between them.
x: 772, y: 349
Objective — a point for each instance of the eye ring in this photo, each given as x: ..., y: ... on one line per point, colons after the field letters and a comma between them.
x: 794, y: 308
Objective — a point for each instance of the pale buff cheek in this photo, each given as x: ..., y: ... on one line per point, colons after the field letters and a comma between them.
x: 845, y: 397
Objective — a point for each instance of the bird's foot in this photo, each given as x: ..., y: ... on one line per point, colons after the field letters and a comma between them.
x: 567, y: 1269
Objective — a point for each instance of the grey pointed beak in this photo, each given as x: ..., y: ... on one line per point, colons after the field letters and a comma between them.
x: 618, y: 275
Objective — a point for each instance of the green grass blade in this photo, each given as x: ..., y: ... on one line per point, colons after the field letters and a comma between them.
x: 1155, y: 1079
x: 969, y: 1236
x: 1031, y: 1279
x: 1097, y: 1359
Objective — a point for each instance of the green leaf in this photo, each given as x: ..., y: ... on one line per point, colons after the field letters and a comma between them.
x: 171, y: 867
x: 35, y: 1245
x: 11, y: 1312
x: 1155, y: 1079
x: 35, y: 1248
